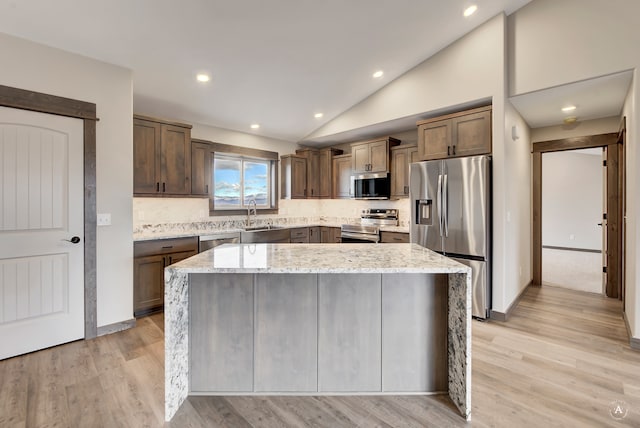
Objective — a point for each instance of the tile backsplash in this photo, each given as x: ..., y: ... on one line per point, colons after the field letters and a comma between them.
x: 154, y: 211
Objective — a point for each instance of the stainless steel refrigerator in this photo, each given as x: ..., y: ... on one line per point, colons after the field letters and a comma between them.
x: 451, y: 214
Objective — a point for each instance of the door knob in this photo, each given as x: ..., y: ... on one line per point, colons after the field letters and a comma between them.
x: 73, y: 240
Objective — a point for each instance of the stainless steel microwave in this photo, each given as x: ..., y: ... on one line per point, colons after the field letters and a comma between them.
x: 371, y: 186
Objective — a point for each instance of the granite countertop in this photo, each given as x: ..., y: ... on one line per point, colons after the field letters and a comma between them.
x: 318, y: 258
x: 184, y: 231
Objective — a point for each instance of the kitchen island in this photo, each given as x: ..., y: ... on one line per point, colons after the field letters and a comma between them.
x: 313, y: 319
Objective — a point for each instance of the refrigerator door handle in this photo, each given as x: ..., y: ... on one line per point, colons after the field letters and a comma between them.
x: 439, y: 203
x: 445, y: 204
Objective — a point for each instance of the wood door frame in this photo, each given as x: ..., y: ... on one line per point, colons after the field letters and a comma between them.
x: 615, y: 178
x: 51, y: 104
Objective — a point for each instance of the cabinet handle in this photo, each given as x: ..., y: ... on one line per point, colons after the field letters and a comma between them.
x: 406, y: 190
x: 167, y: 247
x: 157, y: 186
x: 454, y: 149
x: 206, y: 188
x: 164, y: 187
x: 448, y: 150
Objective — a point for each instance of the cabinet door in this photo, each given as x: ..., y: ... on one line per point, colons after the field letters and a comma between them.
x: 414, y: 155
x: 324, y: 167
x: 146, y: 156
x: 360, y: 158
x: 148, y: 289
x: 342, y: 177
x: 200, y: 169
x: 435, y: 140
x: 313, y: 175
x: 349, y: 332
x: 472, y: 134
x: 175, y: 160
x: 378, y: 156
x: 337, y: 235
x: 326, y: 235
x: 399, y: 172
x: 298, y: 178
x: 314, y: 235
x: 176, y: 257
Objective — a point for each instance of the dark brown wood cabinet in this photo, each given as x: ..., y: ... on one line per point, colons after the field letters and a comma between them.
x: 150, y: 259
x: 401, y: 157
x: 299, y: 235
x: 465, y: 133
x: 329, y: 235
x: 341, y: 181
x: 314, y: 235
x: 319, y: 170
x: 372, y: 156
x: 394, y: 237
x: 293, y: 177
x: 201, y: 159
x: 161, y: 157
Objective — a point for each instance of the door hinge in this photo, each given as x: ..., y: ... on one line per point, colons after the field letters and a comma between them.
x: 604, y: 269
x: 604, y: 216
x: 604, y: 163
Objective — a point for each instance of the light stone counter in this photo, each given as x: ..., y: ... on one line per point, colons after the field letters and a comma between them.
x: 331, y: 263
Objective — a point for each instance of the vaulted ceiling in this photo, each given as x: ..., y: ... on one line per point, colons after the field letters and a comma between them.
x: 275, y: 63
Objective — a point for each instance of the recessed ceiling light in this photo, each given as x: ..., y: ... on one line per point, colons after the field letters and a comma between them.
x: 568, y: 108
x: 255, y: 126
x: 203, y: 77
x: 470, y: 10
x: 318, y: 115
x: 378, y: 74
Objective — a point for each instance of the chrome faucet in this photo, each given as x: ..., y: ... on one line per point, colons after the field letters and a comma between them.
x: 255, y: 211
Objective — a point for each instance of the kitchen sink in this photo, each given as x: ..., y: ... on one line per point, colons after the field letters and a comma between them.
x: 260, y: 228
x: 272, y: 234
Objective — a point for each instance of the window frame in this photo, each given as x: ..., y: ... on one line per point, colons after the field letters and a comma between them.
x: 247, y: 154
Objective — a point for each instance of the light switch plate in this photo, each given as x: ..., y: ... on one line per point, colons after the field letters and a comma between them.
x: 104, y: 219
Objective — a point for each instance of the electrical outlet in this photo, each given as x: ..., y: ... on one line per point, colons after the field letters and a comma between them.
x: 572, y: 237
x: 104, y: 219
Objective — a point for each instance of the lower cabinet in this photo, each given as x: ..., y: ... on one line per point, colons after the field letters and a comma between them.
x: 300, y: 235
x: 150, y: 259
x: 314, y: 235
x: 330, y: 235
x: 394, y: 238
x: 324, y: 333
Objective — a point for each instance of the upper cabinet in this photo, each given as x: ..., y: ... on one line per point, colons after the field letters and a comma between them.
x: 401, y: 157
x: 372, y: 156
x: 201, y: 161
x: 293, y: 176
x: 465, y: 133
x: 161, y: 157
x: 341, y: 181
x: 318, y: 171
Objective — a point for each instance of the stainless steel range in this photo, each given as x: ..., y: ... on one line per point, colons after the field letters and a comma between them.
x: 368, y: 231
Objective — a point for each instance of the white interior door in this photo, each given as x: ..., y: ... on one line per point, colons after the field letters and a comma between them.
x: 41, y: 210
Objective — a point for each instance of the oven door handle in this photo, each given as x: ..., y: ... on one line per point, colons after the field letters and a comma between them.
x: 371, y: 238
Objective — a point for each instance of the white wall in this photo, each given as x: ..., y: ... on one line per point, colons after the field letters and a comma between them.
x: 572, y: 204
x: 517, y: 232
x: 632, y: 231
x: 467, y: 70
x: 578, y: 129
x: 552, y: 43
x: 226, y: 136
x: 40, y: 68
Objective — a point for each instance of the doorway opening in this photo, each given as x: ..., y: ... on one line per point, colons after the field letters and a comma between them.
x: 613, y: 178
x: 572, y: 219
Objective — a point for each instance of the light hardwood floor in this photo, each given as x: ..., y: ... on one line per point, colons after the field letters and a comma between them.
x: 559, y: 361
